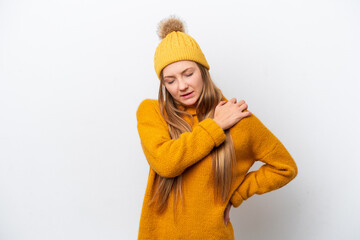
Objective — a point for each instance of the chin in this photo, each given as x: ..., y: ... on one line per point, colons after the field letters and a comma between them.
x: 188, y: 103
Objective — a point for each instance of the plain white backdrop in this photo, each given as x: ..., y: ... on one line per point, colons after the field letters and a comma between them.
x: 73, y: 72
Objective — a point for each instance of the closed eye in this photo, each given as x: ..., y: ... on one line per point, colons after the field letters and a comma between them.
x: 189, y: 75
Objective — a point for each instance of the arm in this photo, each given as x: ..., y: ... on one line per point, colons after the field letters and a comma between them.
x: 279, y: 167
x: 170, y: 157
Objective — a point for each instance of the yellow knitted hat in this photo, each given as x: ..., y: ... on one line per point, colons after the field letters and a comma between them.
x: 176, y: 45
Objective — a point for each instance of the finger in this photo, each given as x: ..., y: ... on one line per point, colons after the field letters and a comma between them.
x: 243, y: 107
x: 240, y: 102
x: 233, y: 100
x: 221, y: 103
x: 245, y: 114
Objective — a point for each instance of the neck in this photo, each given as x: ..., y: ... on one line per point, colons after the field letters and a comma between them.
x: 190, y: 109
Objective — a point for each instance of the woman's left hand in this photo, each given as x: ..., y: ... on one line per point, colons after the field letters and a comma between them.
x: 227, y: 213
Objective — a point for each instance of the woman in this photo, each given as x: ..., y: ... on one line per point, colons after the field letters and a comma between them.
x: 200, y: 147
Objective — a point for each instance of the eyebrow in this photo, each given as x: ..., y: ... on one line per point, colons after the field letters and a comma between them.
x: 170, y: 76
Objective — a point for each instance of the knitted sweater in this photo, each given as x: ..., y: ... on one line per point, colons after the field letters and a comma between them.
x: 199, y: 216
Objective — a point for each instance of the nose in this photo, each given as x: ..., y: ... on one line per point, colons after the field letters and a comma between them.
x: 182, y: 84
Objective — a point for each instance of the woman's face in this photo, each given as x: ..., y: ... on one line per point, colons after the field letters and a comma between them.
x: 184, y: 82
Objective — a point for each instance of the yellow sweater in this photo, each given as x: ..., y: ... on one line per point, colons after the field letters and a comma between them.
x: 201, y: 217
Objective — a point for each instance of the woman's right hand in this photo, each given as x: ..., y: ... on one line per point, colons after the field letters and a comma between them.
x: 227, y: 114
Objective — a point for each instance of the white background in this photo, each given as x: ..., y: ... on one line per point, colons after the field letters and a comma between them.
x: 73, y: 72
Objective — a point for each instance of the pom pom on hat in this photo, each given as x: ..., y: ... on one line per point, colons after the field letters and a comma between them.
x: 169, y: 25
x: 175, y: 46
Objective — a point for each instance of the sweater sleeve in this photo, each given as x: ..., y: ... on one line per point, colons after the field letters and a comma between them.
x: 170, y: 157
x: 279, y: 167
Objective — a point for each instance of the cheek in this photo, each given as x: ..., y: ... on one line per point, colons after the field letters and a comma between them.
x: 199, y: 83
x: 171, y: 89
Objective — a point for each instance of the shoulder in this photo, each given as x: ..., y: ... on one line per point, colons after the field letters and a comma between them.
x: 250, y: 125
x: 148, y: 109
x: 147, y: 105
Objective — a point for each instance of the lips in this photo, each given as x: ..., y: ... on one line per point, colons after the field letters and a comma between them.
x: 184, y: 95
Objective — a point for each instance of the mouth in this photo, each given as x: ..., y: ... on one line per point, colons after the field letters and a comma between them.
x: 186, y: 94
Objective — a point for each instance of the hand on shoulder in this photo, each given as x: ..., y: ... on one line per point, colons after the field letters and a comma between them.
x: 227, y: 114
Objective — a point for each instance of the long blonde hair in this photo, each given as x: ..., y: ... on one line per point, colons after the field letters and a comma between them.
x: 223, y: 157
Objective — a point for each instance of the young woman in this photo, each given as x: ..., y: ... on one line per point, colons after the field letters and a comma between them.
x: 200, y: 147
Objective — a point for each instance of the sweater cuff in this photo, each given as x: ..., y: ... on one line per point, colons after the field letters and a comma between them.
x: 236, y: 199
x: 214, y: 130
